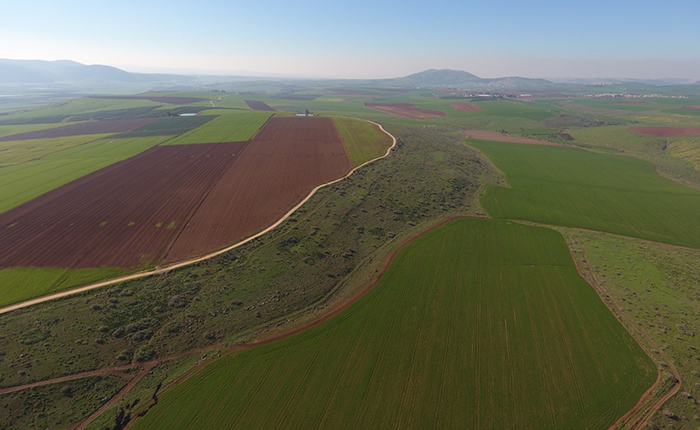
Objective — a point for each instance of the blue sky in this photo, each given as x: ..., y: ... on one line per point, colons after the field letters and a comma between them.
x: 363, y: 39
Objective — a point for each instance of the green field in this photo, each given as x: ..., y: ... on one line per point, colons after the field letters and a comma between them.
x: 20, y: 151
x: 477, y: 324
x: 230, y: 126
x: 573, y: 187
x: 22, y: 283
x: 363, y: 141
x: 23, y: 182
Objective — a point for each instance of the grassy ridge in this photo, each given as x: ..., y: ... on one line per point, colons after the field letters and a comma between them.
x: 478, y: 324
x: 26, y: 181
x: 363, y: 141
x: 568, y: 186
x: 231, y: 126
x: 17, y: 284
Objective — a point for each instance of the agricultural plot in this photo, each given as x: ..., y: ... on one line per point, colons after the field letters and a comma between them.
x: 667, y: 131
x: 90, y: 127
x: 258, y: 105
x: 173, y: 100
x: 279, y: 167
x: 124, y: 215
x: 465, y: 107
x: 478, y: 324
x: 502, y: 137
x: 15, y: 152
x: 231, y: 126
x: 406, y: 110
x: 572, y: 187
x: 21, y: 183
x: 169, y: 126
x: 363, y: 140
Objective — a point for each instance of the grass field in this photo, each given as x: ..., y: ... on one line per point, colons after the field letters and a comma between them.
x: 230, y: 126
x: 478, y: 324
x: 363, y: 141
x: 15, y: 152
x: 17, y: 284
x: 25, y: 181
x: 573, y: 187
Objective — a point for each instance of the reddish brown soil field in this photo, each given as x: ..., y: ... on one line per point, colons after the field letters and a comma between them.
x: 692, y: 107
x: 501, y: 137
x: 279, y: 167
x: 406, y: 110
x: 90, y: 127
x: 466, y: 107
x: 124, y: 215
x: 163, y: 99
x: 258, y: 105
x: 667, y: 131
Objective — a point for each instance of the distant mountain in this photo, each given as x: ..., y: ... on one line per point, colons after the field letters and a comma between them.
x: 66, y: 71
x: 463, y: 80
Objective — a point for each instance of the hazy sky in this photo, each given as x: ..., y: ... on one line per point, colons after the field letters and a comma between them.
x: 362, y: 38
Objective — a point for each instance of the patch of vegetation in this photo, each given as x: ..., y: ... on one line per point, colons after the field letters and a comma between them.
x: 169, y: 126
x: 58, y: 405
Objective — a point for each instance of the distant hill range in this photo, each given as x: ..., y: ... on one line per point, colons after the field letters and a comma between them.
x: 92, y: 78
x: 66, y: 71
x: 461, y: 79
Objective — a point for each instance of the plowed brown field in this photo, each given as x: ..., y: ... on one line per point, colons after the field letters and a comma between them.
x: 692, y: 107
x: 258, y: 105
x: 281, y: 165
x: 495, y: 136
x: 667, y: 131
x: 175, y: 201
x: 124, y: 215
x: 90, y: 127
x: 406, y: 110
x: 465, y: 107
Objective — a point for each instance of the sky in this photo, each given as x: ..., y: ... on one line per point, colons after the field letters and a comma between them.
x: 362, y: 38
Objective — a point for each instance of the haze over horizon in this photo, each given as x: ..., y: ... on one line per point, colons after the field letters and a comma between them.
x: 363, y: 39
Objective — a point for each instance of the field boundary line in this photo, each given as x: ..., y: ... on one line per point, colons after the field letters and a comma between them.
x: 161, y: 270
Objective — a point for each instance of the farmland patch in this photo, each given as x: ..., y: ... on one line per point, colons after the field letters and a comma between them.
x: 281, y: 165
x: 465, y: 107
x: 478, y: 324
x: 572, y: 187
x: 258, y: 105
x: 158, y: 99
x: 667, y: 131
x: 363, y: 140
x: 230, y: 126
x: 503, y: 137
x: 90, y: 127
x: 406, y: 110
x: 110, y: 218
